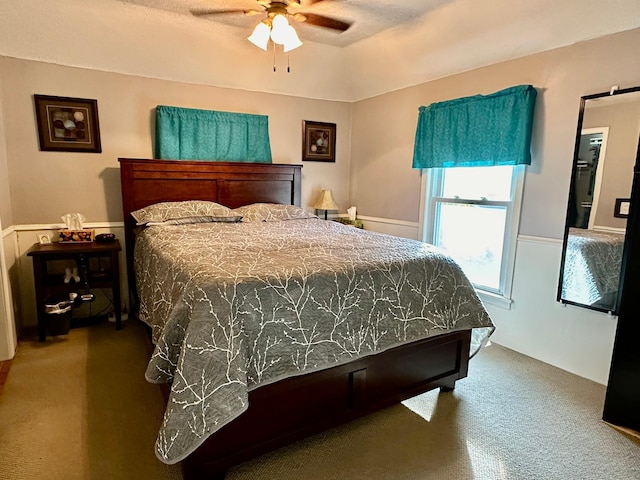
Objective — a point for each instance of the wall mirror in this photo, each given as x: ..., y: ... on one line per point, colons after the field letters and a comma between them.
x: 605, y: 153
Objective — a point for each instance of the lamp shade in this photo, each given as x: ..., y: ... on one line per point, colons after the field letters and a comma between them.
x: 279, y: 30
x: 326, y: 201
x: 260, y: 35
x: 292, y: 41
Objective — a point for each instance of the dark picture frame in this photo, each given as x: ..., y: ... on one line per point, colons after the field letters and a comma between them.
x: 67, y: 124
x: 621, y: 208
x: 318, y: 141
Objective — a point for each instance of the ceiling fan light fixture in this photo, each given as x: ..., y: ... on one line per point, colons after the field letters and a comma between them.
x: 292, y: 41
x: 279, y: 31
x: 260, y: 35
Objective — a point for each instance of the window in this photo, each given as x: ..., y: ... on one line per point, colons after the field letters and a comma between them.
x: 472, y: 152
x: 473, y: 213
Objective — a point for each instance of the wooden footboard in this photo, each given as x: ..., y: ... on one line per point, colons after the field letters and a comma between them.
x: 291, y: 409
x: 297, y: 407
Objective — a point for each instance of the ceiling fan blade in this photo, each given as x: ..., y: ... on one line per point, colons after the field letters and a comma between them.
x: 209, y: 11
x: 308, y: 3
x: 326, y: 22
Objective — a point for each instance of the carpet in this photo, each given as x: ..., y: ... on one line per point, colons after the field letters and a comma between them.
x: 513, y: 418
x: 78, y: 407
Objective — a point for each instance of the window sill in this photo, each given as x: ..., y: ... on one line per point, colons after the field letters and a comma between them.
x: 495, y: 299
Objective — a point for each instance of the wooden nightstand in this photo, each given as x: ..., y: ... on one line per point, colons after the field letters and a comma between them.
x: 354, y: 223
x: 50, y: 285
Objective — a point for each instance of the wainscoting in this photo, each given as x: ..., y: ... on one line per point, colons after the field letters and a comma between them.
x: 18, y: 291
x: 571, y: 338
x: 8, y: 287
x: 398, y: 228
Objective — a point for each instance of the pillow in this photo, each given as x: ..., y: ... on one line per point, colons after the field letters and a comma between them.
x: 190, y: 211
x: 271, y: 212
x: 197, y: 219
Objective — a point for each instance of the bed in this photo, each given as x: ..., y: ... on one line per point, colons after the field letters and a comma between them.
x: 592, y: 267
x: 234, y: 307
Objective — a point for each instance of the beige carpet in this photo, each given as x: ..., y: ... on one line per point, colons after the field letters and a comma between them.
x: 77, y: 407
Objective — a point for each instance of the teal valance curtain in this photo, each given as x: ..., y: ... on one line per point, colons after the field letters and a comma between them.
x: 482, y: 130
x: 192, y: 134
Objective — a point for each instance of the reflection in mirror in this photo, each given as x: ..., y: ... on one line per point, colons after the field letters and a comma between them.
x: 605, y: 154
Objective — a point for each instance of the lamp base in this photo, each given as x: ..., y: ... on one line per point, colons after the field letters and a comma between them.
x: 326, y: 212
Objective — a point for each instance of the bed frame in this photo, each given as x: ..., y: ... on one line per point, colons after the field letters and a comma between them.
x: 293, y: 408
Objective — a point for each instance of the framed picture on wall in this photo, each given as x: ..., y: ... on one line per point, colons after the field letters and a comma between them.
x: 318, y: 141
x: 621, y: 208
x: 67, y: 124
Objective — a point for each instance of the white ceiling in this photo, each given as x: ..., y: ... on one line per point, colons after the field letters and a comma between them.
x: 417, y: 41
x: 368, y: 17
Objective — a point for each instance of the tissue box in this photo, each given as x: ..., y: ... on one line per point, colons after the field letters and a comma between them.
x: 77, y: 236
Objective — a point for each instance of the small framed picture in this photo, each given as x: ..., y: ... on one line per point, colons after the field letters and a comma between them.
x: 318, y: 141
x: 44, y: 239
x: 621, y: 209
x: 67, y: 124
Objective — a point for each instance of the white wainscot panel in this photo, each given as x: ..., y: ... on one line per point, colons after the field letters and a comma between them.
x: 575, y: 339
x: 27, y: 235
x: 391, y: 227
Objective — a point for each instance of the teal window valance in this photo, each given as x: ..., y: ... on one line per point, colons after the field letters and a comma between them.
x: 482, y: 130
x: 192, y: 134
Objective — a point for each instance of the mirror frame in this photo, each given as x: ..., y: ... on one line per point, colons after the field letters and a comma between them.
x: 574, y: 168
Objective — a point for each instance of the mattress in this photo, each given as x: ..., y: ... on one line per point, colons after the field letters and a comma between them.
x: 235, y: 306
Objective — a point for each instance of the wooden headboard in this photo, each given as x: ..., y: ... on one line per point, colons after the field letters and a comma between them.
x: 233, y: 184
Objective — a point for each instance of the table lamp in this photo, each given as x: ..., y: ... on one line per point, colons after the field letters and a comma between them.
x: 326, y: 202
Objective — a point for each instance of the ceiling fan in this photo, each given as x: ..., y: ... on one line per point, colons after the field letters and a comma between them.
x: 284, y: 9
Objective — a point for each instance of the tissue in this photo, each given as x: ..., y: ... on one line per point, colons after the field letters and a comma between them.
x: 73, y: 221
x: 74, y: 231
x: 351, y: 211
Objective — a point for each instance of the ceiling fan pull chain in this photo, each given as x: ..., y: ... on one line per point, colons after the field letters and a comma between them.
x: 288, y: 66
x: 274, y: 56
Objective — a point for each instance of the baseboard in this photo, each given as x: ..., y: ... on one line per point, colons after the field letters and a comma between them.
x: 624, y: 430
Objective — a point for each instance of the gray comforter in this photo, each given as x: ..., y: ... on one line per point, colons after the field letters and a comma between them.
x: 234, y: 306
x: 592, y: 267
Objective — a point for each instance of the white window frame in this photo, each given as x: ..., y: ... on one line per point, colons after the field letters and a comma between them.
x: 430, y: 191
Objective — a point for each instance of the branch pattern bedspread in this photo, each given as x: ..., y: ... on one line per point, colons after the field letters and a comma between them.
x: 592, y: 267
x: 234, y: 306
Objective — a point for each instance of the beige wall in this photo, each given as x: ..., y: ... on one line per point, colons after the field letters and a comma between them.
x: 462, y: 35
x: 623, y: 120
x: 375, y: 143
x: 383, y: 184
x: 382, y: 181
x: 46, y: 185
x: 8, y: 334
x: 6, y: 217
x: 450, y: 37
x: 116, y: 36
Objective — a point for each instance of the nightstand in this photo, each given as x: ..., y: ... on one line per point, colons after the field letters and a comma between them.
x: 354, y: 223
x: 49, y: 285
